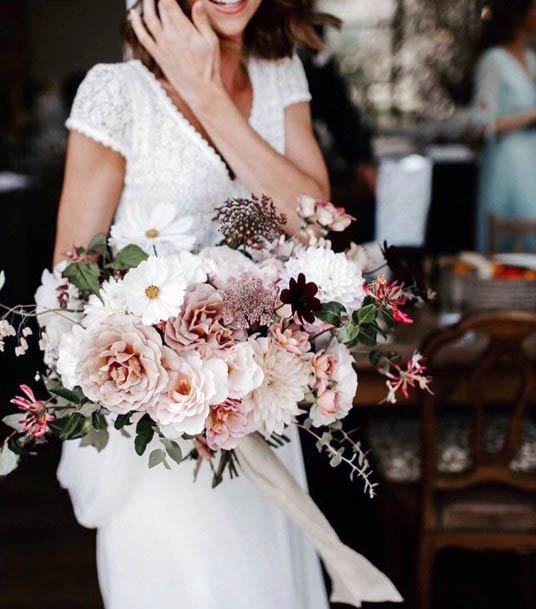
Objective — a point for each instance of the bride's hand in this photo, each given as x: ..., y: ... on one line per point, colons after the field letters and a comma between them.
x: 188, y: 52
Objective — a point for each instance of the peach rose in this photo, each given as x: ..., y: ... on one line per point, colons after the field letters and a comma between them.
x: 291, y: 339
x: 124, y: 364
x: 226, y: 424
x: 199, y: 325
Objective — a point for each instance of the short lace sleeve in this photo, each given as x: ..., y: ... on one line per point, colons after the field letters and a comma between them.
x: 102, y: 108
x: 292, y: 81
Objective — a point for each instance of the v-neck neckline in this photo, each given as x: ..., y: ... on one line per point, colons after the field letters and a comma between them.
x: 181, y: 119
x: 525, y: 68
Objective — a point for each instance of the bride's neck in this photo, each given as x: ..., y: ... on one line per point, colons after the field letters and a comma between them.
x: 232, y: 63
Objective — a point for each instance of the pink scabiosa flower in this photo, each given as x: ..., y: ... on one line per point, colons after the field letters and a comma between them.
x: 291, y: 339
x: 37, y: 418
x: 226, y: 424
x: 248, y: 302
x: 400, y: 379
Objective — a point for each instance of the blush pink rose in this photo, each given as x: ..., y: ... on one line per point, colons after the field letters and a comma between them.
x: 124, y: 364
x: 291, y: 339
x: 199, y: 325
x: 226, y: 424
x: 323, y: 367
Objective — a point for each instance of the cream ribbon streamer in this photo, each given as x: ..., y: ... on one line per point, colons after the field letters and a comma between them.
x: 354, y: 578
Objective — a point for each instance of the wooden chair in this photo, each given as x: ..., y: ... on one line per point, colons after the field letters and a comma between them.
x: 489, y: 506
x: 521, y: 231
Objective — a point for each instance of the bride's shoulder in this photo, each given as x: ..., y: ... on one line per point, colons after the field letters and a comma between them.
x: 288, y: 76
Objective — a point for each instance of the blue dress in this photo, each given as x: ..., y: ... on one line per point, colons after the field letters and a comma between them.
x: 508, y: 163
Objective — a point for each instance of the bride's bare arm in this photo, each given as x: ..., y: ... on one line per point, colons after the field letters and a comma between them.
x: 92, y: 186
x: 259, y: 166
x: 189, y: 55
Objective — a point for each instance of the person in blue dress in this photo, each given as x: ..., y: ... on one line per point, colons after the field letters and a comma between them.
x: 505, y: 112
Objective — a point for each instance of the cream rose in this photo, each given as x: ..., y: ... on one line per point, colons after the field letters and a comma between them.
x: 124, y: 364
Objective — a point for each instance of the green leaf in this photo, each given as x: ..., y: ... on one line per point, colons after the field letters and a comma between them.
x: 368, y: 337
x: 157, y: 457
x: 9, y: 461
x: 348, y: 333
x: 98, y: 245
x: 375, y: 357
x: 122, y: 421
x: 71, y: 427
x: 98, y: 421
x: 388, y: 318
x: 173, y: 450
x: 84, y: 275
x: 98, y: 439
x: 336, y: 460
x: 331, y: 313
x: 129, y: 257
x: 72, y: 396
x: 367, y: 314
x: 13, y: 421
x: 144, y: 434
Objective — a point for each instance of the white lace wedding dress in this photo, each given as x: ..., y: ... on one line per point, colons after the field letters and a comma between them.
x: 164, y: 542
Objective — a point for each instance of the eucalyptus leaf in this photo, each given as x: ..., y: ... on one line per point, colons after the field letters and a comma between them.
x: 336, y: 460
x: 98, y: 439
x: 173, y: 450
x: 144, y: 434
x: 9, y: 461
x: 129, y: 257
x: 157, y: 457
x: 13, y: 421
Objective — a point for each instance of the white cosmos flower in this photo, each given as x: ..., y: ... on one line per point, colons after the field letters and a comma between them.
x: 111, y: 302
x: 57, y: 322
x: 160, y: 228
x: 155, y: 289
x: 274, y: 404
x: 338, y: 278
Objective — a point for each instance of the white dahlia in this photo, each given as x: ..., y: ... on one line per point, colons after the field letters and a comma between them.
x: 111, y: 302
x: 159, y: 229
x: 338, y: 278
x: 222, y: 263
x: 70, y: 355
x: 155, y: 289
x: 58, y: 306
x: 274, y: 404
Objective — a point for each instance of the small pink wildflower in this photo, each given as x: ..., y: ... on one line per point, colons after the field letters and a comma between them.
x: 37, y: 418
x: 402, y: 380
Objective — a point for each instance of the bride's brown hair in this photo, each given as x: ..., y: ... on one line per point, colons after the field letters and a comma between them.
x: 276, y: 28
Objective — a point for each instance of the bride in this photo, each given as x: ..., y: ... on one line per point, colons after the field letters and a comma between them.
x: 214, y: 104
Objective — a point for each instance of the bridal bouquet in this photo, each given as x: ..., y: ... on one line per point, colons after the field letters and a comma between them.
x: 186, y: 353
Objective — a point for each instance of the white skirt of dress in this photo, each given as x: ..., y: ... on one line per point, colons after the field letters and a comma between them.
x: 165, y: 542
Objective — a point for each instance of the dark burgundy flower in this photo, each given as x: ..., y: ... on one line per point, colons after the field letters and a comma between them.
x: 408, y: 272
x: 301, y: 296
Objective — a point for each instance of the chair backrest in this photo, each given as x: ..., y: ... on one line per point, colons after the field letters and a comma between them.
x: 520, y: 231
x: 503, y: 354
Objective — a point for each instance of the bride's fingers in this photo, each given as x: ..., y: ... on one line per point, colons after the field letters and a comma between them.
x: 151, y: 18
x: 143, y: 35
x: 202, y: 23
x: 172, y: 15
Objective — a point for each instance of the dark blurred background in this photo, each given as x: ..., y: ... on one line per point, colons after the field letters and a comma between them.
x: 391, y: 102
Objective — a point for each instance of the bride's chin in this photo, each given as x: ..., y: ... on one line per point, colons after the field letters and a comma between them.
x: 229, y: 18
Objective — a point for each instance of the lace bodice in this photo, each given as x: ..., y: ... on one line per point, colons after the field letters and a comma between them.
x: 124, y: 107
